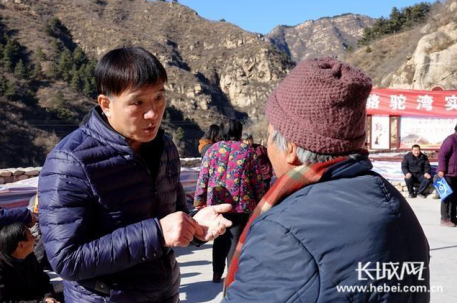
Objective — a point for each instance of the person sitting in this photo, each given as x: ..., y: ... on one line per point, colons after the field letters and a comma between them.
x: 416, y: 168
x: 21, y: 277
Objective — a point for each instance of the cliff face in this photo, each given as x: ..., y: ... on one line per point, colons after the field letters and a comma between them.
x: 434, y: 61
x: 216, y: 70
x: 421, y: 58
x: 324, y: 37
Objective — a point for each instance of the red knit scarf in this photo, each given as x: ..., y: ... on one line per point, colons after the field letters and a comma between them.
x: 286, y: 185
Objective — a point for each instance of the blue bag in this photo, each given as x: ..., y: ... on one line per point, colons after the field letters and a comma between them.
x: 442, y: 187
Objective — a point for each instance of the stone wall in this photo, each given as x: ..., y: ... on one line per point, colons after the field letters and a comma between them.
x: 10, y: 175
x: 401, y: 187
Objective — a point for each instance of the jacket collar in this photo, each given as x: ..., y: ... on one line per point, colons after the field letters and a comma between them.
x: 355, y: 165
x: 421, y: 155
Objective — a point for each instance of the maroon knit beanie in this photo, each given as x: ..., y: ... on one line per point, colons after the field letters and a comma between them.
x: 320, y: 106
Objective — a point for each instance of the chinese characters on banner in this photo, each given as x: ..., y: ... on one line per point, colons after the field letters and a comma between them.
x: 404, y: 102
x: 426, y: 117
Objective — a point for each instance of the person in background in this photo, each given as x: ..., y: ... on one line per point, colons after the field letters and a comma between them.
x: 329, y: 221
x: 21, y: 277
x: 22, y: 214
x: 262, y: 155
x: 229, y: 173
x: 39, y: 251
x: 416, y: 168
x: 209, y: 138
x: 447, y: 168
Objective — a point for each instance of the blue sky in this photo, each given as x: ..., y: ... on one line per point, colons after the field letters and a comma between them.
x: 261, y: 16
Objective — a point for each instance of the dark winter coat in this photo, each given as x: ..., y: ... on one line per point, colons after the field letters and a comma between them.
x: 309, y: 245
x: 447, y: 158
x: 100, y: 203
x: 413, y: 165
x: 23, y: 280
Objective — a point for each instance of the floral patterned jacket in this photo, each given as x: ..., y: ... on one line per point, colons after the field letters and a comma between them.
x: 230, y: 173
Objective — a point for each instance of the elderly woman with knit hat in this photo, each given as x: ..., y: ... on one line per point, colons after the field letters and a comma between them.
x: 329, y: 222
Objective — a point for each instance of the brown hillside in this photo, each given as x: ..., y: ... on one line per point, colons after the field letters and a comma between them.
x: 421, y: 58
x: 216, y: 70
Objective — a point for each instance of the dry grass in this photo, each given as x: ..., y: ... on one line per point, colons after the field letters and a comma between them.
x: 391, y: 52
x: 386, y: 55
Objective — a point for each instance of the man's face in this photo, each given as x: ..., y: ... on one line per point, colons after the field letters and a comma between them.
x: 416, y: 151
x: 29, y: 244
x: 277, y: 157
x: 25, y: 248
x: 137, y: 114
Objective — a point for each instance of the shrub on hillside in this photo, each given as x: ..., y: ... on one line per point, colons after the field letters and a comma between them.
x: 397, y: 21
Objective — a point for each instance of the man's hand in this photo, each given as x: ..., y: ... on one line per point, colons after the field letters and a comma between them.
x: 178, y: 229
x: 212, y: 222
x: 408, y: 175
x: 51, y: 300
x: 441, y: 174
x: 427, y: 175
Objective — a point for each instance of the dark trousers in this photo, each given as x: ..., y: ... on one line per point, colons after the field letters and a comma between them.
x: 449, y: 205
x: 417, y: 177
x: 224, y: 246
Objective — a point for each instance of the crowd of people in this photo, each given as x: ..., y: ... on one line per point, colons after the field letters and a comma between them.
x: 112, y: 207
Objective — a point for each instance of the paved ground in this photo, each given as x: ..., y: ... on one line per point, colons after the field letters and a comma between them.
x: 196, y: 285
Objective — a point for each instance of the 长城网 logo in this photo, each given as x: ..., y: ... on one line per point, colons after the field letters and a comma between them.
x: 389, y: 270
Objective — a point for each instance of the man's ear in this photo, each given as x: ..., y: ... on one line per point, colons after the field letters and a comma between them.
x: 20, y: 246
x: 291, y: 154
x: 105, y: 104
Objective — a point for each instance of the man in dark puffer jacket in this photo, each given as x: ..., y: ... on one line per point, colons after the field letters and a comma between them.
x: 111, y: 202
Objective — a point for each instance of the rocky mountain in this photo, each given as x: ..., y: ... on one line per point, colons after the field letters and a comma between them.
x: 216, y: 70
x: 329, y: 36
x: 421, y: 58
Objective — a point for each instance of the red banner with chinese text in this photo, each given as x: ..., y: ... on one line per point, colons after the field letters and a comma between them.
x: 408, y: 102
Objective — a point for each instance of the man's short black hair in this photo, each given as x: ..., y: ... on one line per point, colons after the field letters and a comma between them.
x: 127, y: 68
x: 416, y: 146
x: 11, y: 235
